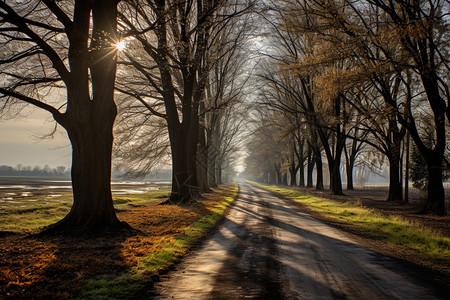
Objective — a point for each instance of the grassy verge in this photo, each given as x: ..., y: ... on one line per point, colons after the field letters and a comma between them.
x: 165, y: 251
x: 110, y: 266
x: 396, y: 232
x: 31, y: 213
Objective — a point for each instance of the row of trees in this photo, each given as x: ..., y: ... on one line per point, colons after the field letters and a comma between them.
x: 343, y: 76
x: 186, y: 83
x: 177, y: 82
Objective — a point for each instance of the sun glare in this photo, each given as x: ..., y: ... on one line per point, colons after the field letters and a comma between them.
x: 120, y: 45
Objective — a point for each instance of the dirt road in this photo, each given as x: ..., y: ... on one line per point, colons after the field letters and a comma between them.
x: 266, y: 249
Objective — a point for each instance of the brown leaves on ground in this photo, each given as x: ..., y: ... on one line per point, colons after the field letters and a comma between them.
x: 56, y: 267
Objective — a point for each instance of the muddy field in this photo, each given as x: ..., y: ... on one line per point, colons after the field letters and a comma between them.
x: 24, y: 192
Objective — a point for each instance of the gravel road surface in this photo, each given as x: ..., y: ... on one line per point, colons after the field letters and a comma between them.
x: 267, y: 249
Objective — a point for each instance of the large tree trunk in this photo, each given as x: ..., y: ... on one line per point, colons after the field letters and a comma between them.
x: 202, y: 163
x: 180, y: 172
x: 350, y: 159
x: 349, y: 169
x: 334, y: 168
x: 406, y: 173
x: 184, y: 184
x: 184, y: 138
x: 395, y: 186
x: 310, y: 169
x: 293, y: 174
x: 89, y: 123
x: 319, y: 170
x: 301, y: 166
x: 334, y: 159
x: 219, y: 172
x: 212, y: 156
x: 436, y: 193
x: 434, y: 157
x: 301, y: 172
x: 92, y: 208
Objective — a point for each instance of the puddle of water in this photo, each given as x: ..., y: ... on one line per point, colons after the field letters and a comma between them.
x: 13, y: 186
x: 53, y: 187
x: 122, y: 192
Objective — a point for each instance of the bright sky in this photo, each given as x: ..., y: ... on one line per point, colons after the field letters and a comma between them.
x: 21, y: 142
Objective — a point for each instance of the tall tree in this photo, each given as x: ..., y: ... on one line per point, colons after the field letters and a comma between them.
x: 391, y: 45
x: 48, y: 45
x: 421, y: 27
x: 225, y: 90
x: 291, y: 46
x: 171, y: 70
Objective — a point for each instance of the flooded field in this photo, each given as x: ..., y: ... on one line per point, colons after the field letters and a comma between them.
x: 26, y: 192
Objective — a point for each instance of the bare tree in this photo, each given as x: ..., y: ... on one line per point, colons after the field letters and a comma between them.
x: 48, y: 45
x: 291, y: 46
x: 170, y: 72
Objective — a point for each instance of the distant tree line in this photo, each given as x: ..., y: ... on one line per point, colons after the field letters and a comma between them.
x: 47, y: 171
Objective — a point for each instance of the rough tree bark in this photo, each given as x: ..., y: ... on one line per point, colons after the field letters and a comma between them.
x: 293, y: 174
x: 319, y: 169
x: 212, y: 155
x: 350, y: 159
x: 395, y: 185
x: 310, y: 167
x: 203, y: 158
x: 90, y: 127
x: 89, y: 118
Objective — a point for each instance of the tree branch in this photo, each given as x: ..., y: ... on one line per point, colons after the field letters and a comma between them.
x: 57, y: 115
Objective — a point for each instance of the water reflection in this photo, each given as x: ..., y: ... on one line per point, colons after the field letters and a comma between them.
x: 25, y: 191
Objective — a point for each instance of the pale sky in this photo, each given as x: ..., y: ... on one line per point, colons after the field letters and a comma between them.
x: 21, y: 142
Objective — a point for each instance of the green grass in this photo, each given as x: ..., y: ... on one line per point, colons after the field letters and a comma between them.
x: 37, y: 214
x: 41, y: 211
x: 395, y: 231
x: 174, y: 247
x: 126, y: 285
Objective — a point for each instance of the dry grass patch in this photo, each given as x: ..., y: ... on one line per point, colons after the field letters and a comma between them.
x: 426, y: 245
x: 113, y: 266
